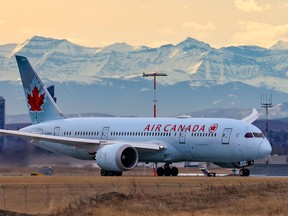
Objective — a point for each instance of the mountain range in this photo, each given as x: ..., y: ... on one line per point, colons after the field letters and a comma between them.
x: 109, y: 79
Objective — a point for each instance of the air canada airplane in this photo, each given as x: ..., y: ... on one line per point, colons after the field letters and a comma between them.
x: 118, y: 144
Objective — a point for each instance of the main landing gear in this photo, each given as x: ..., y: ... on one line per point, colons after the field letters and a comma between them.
x: 166, y: 170
x: 244, y: 172
x: 110, y: 173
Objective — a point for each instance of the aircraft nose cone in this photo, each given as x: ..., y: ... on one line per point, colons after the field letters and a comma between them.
x: 264, y: 148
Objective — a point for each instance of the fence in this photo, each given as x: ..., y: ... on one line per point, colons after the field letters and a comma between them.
x: 40, y: 198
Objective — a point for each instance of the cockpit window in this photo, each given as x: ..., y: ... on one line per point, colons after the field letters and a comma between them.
x: 260, y: 135
x: 254, y: 134
x: 249, y: 135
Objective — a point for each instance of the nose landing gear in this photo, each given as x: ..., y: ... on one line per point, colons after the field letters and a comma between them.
x: 244, y: 172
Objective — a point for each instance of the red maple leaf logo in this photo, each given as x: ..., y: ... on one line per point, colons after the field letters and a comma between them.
x: 213, y: 128
x: 35, y: 100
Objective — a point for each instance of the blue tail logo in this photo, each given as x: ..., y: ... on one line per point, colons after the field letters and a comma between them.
x: 40, y: 103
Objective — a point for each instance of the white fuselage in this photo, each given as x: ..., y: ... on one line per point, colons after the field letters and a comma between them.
x: 183, y: 139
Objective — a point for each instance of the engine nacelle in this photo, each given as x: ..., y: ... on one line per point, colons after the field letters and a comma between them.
x: 117, y: 157
x: 239, y: 164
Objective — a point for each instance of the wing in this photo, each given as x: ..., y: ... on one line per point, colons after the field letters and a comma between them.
x: 91, y: 145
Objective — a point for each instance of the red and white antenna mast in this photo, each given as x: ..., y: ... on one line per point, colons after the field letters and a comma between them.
x: 155, y: 74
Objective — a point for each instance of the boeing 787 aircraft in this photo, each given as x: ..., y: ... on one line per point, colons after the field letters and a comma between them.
x: 118, y: 144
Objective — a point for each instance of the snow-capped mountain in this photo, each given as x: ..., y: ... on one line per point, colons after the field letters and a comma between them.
x: 7, y: 49
x: 280, y: 45
x: 199, y: 76
x: 190, y: 60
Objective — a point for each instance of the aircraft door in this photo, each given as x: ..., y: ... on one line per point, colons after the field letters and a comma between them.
x: 182, y: 137
x: 56, y: 131
x: 104, y: 135
x: 226, y: 135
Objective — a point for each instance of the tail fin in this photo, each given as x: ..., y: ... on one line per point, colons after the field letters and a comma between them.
x: 40, y: 104
x: 252, y: 117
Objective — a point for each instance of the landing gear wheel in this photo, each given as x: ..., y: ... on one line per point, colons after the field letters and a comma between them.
x: 244, y: 172
x: 160, y: 171
x: 103, y: 172
x: 167, y: 171
x: 110, y: 173
x: 119, y: 173
x: 174, y: 171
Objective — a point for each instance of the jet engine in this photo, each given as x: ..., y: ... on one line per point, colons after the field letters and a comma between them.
x: 117, y: 157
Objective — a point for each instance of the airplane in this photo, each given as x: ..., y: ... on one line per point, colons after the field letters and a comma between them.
x: 118, y: 144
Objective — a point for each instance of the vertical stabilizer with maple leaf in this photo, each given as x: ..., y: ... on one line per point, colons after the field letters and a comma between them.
x: 40, y: 104
x: 35, y: 100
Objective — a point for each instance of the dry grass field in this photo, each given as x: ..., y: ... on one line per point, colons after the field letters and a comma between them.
x: 137, y: 195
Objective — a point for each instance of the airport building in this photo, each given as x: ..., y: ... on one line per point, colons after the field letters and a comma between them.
x: 2, y: 112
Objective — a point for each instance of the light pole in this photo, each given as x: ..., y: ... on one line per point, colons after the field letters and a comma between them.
x: 266, y: 104
x: 155, y: 74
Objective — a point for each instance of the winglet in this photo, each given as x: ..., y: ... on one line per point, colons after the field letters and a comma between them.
x: 40, y: 104
x: 252, y: 117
